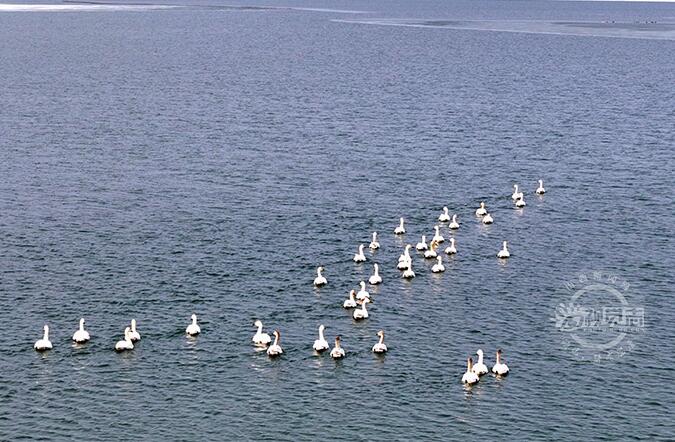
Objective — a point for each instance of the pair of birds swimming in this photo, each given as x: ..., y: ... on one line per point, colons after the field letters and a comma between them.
x: 131, y: 335
x: 475, y: 371
x: 320, y: 345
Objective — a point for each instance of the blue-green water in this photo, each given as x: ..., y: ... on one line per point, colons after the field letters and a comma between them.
x: 156, y: 163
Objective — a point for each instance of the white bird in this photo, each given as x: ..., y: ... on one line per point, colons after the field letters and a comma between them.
x: 361, y: 313
x: 451, y: 249
x: 126, y: 343
x: 44, y: 343
x: 469, y: 377
x: 405, y: 256
x: 480, y: 368
x: 320, y: 344
x: 337, y: 352
x: 504, y: 252
x: 135, y: 336
x: 320, y: 279
x: 481, y: 211
x: 81, y: 335
x: 540, y: 190
x: 359, y: 257
x: 438, y: 267
x: 445, y: 216
x: 363, y: 293
x: 259, y: 338
x: 193, y: 329
x: 437, y: 236
x: 408, y: 272
x: 454, y: 224
x: 351, y: 302
x: 275, y: 349
x: 380, y: 346
x: 516, y: 195
x: 500, y: 368
x: 520, y: 202
x: 374, y: 244
x: 431, y: 253
x: 375, y: 278
x: 487, y: 219
x: 400, y: 230
x: 422, y: 245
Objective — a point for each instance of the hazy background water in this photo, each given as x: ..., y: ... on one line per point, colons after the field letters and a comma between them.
x: 159, y: 163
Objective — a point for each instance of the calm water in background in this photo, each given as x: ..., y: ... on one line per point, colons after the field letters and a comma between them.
x: 159, y: 163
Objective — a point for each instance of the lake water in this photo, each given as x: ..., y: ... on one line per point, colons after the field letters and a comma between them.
x: 157, y: 162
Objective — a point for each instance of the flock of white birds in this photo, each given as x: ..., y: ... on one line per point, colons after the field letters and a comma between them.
x: 357, y: 300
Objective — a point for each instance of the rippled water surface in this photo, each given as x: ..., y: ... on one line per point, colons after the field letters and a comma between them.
x: 157, y: 162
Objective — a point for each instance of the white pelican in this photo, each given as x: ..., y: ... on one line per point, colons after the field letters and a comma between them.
x: 451, y: 249
x: 516, y: 195
x: 400, y: 230
x: 363, y: 293
x: 487, y: 219
x: 193, y: 329
x: 375, y: 278
x: 320, y: 344
x: 320, y: 279
x: 351, y: 302
x: 431, y: 253
x: 437, y: 236
x: 337, y: 352
x: 445, y: 216
x: 454, y: 224
x: 504, y: 252
x: 126, y: 343
x: 422, y: 245
x: 135, y: 336
x: 361, y: 313
x: 81, y: 335
x: 469, y: 377
x: 374, y: 244
x: 259, y: 338
x: 408, y: 272
x: 275, y: 349
x: 359, y: 257
x: 438, y: 267
x: 481, y: 211
x: 520, y: 202
x: 480, y: 368
x: 500, y: 368
x: 44, y: 343
x: 540, y: 190
x: 380, y: 346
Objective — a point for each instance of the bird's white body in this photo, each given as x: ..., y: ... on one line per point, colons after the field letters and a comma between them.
x: 320, y: 344
x: 351, y: 302
x: 500, y: 368
x: 451, y: 249
x: 380, y: 346
x: 487, y: 219
x: 359, y: 256
x: 405, y: 256
x: 375, y: 278
x: 422, y: 245
x: 454, y: 225
x: 361, y: 313
x: 438, y: 238
x: 516, y: 194
x: 133, y: 333
x: 259, y: 338
x: 520, y: 203
x: 504, y: 252
x: 374, y: 244
x: 363, y: 293
x: 444, y: 217
x: 540, y: 190
x: 400, y: 230
x: 431, y: 253
x: 320, y: 279
x: 481, y: 211
x: 193, y: 329
x: 44, y: 343
x: 469, y: 377
x: 438, y: 267
x: 275, y: 349
x: 408, y: 272
x: 337, y: 352
x: 126, y: 343
x: 480, y: 368
x: 81, y: 335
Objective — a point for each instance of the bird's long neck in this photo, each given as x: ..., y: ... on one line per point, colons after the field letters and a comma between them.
x: 133, y: 326
x: 374, y: 236
x: 499, y: 359
x: 445, y: 210
x: 437, y: 229
x: 337, y: 343
x: 400, y: 224
x: 377, y: 270
x: 194, y: 320
x: 45, y: 336
x: 381, y: 339
x: 81, y: 325
x: 276, y: 339
x: 321, y: 338
x: 363, y: 307
x: 480, y: 358
x: 351, y: 295
x: 127, y: 336
x: 260, y: 328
